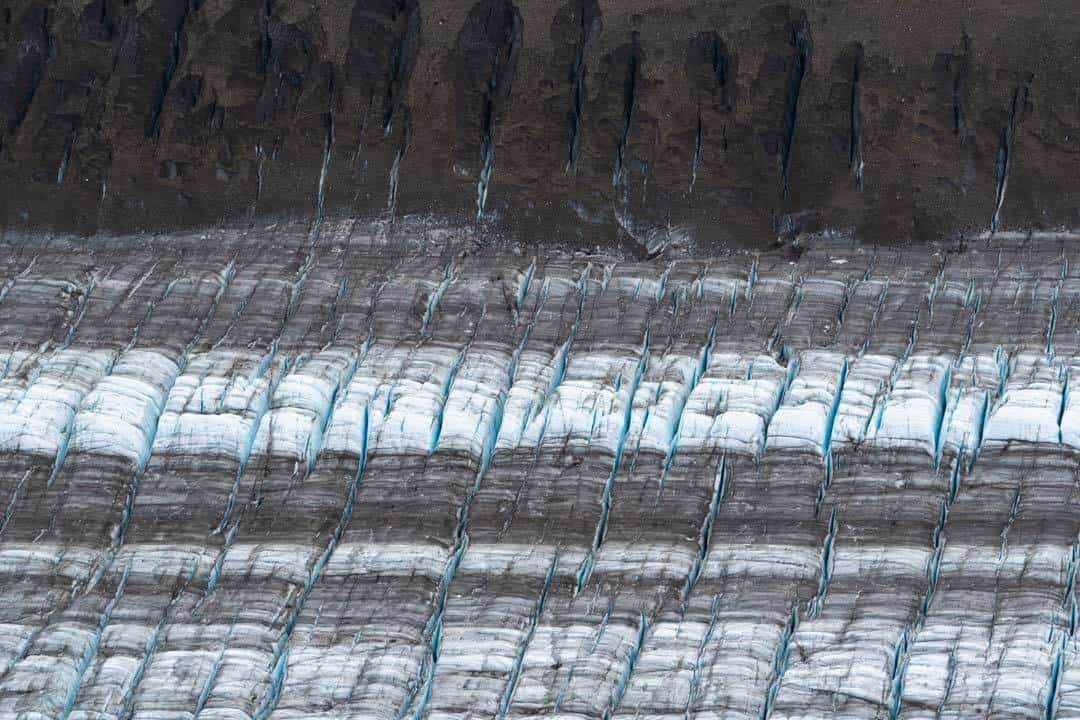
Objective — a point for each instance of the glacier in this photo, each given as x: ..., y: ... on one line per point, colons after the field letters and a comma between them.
x: 516, y: 485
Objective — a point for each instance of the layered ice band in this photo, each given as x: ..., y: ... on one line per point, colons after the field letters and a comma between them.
x: 440, y: 399
x: 325, y: 481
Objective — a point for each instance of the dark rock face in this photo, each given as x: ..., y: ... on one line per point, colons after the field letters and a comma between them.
x: 579, y: 122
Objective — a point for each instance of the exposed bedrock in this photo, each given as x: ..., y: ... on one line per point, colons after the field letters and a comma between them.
x: 278, y: 474
x: 647, y: 125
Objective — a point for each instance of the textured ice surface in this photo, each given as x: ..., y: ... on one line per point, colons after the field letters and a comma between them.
x: 322, y: 483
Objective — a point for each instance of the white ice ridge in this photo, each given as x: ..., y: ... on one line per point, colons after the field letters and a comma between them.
x: 420, y: 399
x: 732, y: 405
x: 119, y: 416
x: 473, y: 407
x: 398, y: 396
x: 1031, y: 406
x: 805, y: 418
x: 865, y: 386
x: 585, y: 404
x: 39, y: 401
x: 915, y: 407
x: 299, y: 411
x: 975, y: 382
x: 215, y: 406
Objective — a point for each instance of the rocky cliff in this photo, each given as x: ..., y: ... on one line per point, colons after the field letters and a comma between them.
x: 643, y: 124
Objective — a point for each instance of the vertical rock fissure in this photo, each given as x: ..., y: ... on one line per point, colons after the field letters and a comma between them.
x: 65, y: 160
x: 630, y: 89
x: 1005, y: 153
x: 800, y: 64
x: 406, y: 19
x: 328, y: 148
x: 172, y: 63
x: 959, y: 91
x: 38, y: 39
x: 855, y: 140
x: 487, y: 141
x: 697, y: 151
x: 488, y: 47
x: 586, y: 13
